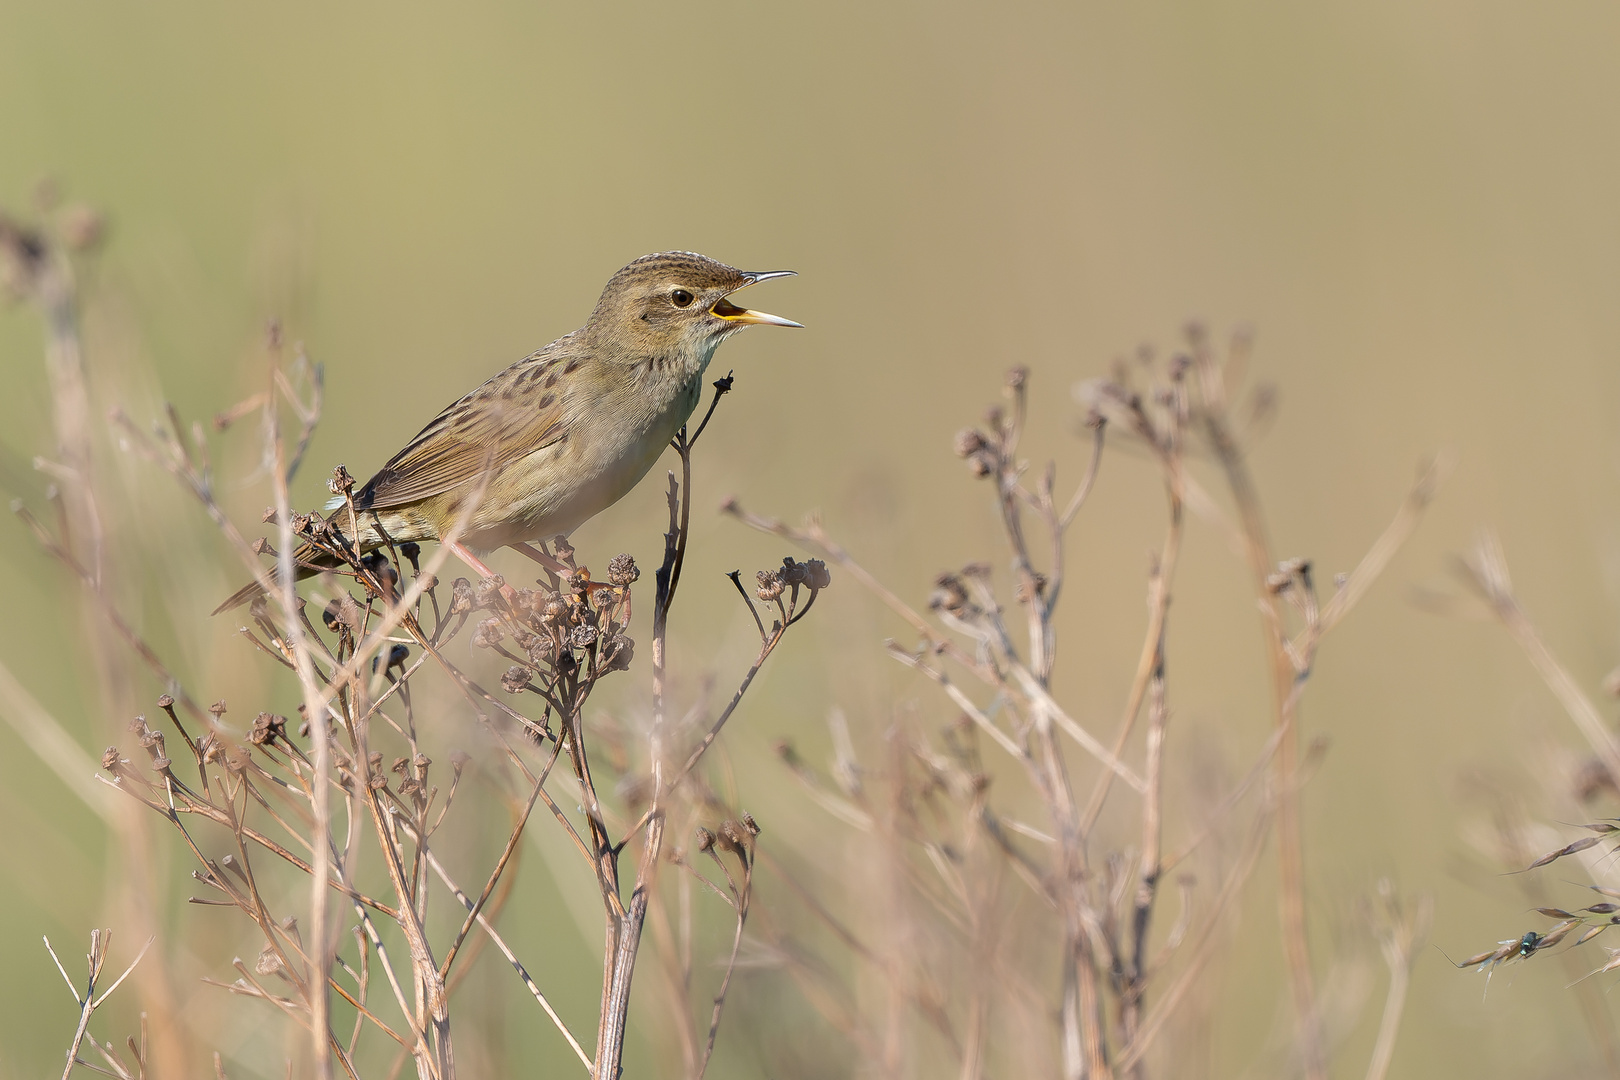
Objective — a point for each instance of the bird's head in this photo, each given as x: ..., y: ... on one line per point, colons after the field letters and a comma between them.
x: 676, y: 303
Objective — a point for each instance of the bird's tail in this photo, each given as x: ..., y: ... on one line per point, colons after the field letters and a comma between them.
x: 308, y: 561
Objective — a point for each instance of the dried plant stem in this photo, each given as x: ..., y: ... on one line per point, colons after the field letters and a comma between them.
x: 624, y: 930
x: 91, y: 1001
x: 45, y: 275
x: 1164, y: 570
x: 1486, y: 570
x: 320, y: 916
x: 1135, y: 983
x: 1290, y: 849
x: 1202, y: 949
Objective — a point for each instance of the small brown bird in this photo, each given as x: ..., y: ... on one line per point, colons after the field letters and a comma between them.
x: 565, y: 432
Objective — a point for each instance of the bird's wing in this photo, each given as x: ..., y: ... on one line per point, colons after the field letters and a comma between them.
x: 513, y: 414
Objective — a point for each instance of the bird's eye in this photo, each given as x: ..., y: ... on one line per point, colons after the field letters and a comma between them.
x: 681, y: 298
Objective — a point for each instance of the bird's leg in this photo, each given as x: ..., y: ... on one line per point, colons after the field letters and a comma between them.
x: 565, y: 573
x: 478, y: 567
x: 542, y: 558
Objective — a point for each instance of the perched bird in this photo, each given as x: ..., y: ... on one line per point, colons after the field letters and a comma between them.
x: 565, y: 432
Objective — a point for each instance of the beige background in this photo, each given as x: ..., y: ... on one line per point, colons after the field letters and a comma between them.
x: 1413, y: 203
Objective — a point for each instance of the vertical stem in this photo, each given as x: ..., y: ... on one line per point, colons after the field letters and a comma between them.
x: 320, y: 737
x: 1130, y: 1005
x: 624, y: 933
x: 1290, y: 853
x: 55, y: 292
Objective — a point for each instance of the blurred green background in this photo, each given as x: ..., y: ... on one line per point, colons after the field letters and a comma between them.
x: 1412, y: 203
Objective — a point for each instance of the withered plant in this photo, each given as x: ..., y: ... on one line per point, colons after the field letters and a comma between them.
x: 278, y: 811
x: 1519, y: 840
x: 987, y: 941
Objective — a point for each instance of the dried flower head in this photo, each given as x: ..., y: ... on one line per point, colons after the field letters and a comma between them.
x: 488, y: 591
x: 622, y: 570
x: 617, y: 653
x: 770, y: 584
x: 488, y: 634
x: 969, y: 441
x: 516, y: 679
x: 951, y: 596
x: 553, y: 609
x: 542, y: 650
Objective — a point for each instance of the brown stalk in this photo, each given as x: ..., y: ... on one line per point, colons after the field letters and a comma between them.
x: 1290, y: 851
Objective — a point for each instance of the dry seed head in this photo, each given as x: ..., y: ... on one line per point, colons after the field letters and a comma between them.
x: 622, y: 570
x: 705, y: 839
x: 542, y: 650
x: 770, y: 584
x: 489, y: 634
x: 1030, y: 588
x: 750, y: 824
x: 617, y: 653
x: 582, y: 637
x: 268, y: 962
x: 260, y: 732
x: 969, y: 441
x: 516, y: 679
x: 553, y: 609
x: 488, y: 590
x: 951, y: 595
x: 461, y: 596
x: 816, y: 574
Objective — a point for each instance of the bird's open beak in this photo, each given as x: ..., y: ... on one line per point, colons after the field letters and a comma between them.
x: 725, y: 309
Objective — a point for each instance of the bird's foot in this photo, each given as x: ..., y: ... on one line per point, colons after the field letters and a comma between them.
x: 484, y: 572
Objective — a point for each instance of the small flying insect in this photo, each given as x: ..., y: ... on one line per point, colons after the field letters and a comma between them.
x: 1516, y: 949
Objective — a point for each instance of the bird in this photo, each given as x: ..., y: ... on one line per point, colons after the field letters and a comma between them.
x: 564, y: 433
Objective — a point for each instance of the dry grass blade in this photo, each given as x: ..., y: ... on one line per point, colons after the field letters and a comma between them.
x: 1567, y: 849
x: 1485, y: 569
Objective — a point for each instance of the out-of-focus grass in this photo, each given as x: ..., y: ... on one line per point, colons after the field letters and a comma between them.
x: 1411, y: 203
